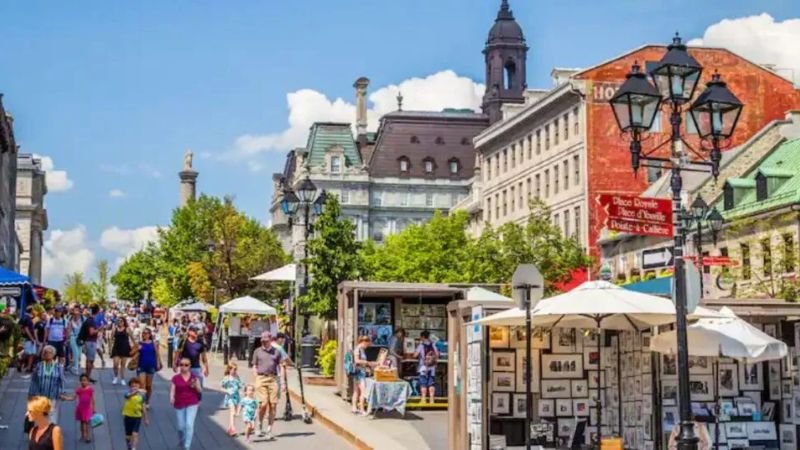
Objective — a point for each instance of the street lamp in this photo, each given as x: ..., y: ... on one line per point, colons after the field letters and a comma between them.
x: 701, y: 217
x: 715, y: 113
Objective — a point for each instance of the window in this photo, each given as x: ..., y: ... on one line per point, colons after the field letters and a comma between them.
x: 566, y: 174
x: 566, y: 222
x: 336, y: 164
x: 513, y: 199
x: 766, y: 255
x: 555, y: 179
x: 538, y: 142
x: 428, y: 166
x: 439, y: 140
x: 513, y: 155
x: 654, y: 172
x: 454, y: 166
x: 497, y: 165
x: 789, y: 255
x: 576, y: 216
x: 556, y: 132
x: 547, y: 137
x: 404, y: 164
x: 521, y: 146
x: 344, y: 197
x: 377, y: 198
x: 557, y: 220
x: 538, y: 186
x: 405, y: 198
x: 745, y: 251
x: 505, y: 205
x: 497, y: 206
x: 489, y: 209
x: 465, y: 141
x: 576, y: 167
x: 530, y: 146
x: 576, y: 129
x: 488, y: 168
x: 453, y: 199
x: 519, y: 189
x: 428, y: 199
x: 529, y: 189
x: 656, y: 128
x: 690, y: 125
x: 547, y: 183
x: 505, y: 160
x: 566, y: 126
x: 414, y: 140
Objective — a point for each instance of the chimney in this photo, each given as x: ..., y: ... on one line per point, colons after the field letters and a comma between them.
x: 361, y: 105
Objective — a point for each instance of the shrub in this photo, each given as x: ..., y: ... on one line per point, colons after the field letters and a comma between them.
x: 327, y: 358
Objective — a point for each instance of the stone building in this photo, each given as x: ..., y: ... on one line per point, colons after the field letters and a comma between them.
x: 31, y: 215
x: 9, y: 256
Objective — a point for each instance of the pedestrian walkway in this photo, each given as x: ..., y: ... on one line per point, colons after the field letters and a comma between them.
x: 161, y: 434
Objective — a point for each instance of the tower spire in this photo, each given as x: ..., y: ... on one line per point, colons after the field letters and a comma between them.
x: 505, y: 11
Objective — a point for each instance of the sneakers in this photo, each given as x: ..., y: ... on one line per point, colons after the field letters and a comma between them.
x: 269, y: 437
x: 261, y: 433
x: 122, y: 382
x: 116, y: 380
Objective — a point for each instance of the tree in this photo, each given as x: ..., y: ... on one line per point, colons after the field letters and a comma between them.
x: 198, y: 280
x: 136, y: 275
x: 76, y: 289
x: 333, y: 257
x: 99, y: 287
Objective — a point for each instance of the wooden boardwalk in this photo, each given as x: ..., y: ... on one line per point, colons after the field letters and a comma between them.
x: 161, y: 434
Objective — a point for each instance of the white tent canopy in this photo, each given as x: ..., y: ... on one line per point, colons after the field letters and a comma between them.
x: 285, y: 273
x: 479, y: 294
x: 730, y: 336
x: 247, y: 305
x: 195, y: 307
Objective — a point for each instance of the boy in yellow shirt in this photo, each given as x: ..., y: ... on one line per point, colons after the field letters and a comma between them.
x: 133, y: 411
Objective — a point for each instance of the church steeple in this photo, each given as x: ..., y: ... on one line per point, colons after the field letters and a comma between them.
x: 505, y: 55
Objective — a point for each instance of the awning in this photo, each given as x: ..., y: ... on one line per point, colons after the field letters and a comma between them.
x: 285, y: 273
x: 248, y: 305
x: 11, y: 278
x: 656, y: 286
x: 479, y: 294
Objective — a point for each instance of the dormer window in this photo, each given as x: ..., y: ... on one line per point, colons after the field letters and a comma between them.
x: 429, y: 166
x: 465, y: 141
x: 405, y: 165
x: 336, y: 164
x: 454, y: 166
x: 414, y: 140
x: 439, y: 140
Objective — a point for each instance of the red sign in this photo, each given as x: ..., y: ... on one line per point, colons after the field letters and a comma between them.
x: 638, y: 215
x: 713, y: 260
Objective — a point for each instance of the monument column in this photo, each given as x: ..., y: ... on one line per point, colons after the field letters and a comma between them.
x: 188, y: 177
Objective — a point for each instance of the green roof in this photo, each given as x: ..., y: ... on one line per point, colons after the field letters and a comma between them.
x: 784, y: 162
x: 323, y: 135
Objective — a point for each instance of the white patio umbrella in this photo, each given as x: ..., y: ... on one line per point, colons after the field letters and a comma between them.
x: 195, y: 307
x: 285, y: 273
x: 247, y: 305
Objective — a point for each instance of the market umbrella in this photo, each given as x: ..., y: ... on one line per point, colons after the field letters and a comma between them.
x: 727, y: 336
x: 195, y: 307
x: 247, y: 305
x: 285, y: 273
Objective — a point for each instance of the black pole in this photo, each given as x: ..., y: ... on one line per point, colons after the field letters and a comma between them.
x: 699, y: 245
x: 599, y: 387
x: 528, y: 403
x: 307, y: 225
x: 716, y: 404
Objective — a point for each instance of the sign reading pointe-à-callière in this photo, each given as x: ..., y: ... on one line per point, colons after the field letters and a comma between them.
x: 637, y: 215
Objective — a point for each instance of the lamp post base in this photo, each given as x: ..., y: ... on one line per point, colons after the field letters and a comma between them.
x: 687, y: 440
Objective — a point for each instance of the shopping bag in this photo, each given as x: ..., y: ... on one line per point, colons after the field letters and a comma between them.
x: 96, y: 420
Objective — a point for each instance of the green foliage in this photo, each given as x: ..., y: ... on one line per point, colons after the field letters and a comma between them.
x: 135, y: 276
x: 332, y: 258
x: 76, y: 289
x: 99, y: 287
x: 327, y: 358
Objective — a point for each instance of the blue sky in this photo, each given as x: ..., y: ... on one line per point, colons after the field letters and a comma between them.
x: 114, y: 93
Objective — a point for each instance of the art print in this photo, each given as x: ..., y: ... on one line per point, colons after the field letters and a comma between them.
x: 751, y: 377
x: 563, y: 407
x: 580, y: 388
x: 503, y: 361
x: 501, y: 403
x: 535, y: 376
x: 700, y: 365
x: 669, y: 392
x: 786, y: 389
x: 637, y: 363
x: 753, y: 396
x: 747, y: 409
x: 669, y: 417
x: 539, y: 338
x: 498, y: 337
x: 735, y: 430
x: 786, y: 412
x: 647, y: 406
x: 787, y: 437
x: 503, y: 381
x: 591, y: 358
x: 647, y: 362
x: 597, y: 380
x: 520, y: 405
x: 669, y: 366
x: 775, y: 390
x: 565, y: 341
x: 701, y: 388
x: 787, y: 366
x: 646, y: 341
x: 738, y: 443
x: 562, y: 366
x: 647, y: 384
x: 547, y: 408
x: 580, y: 407
x: 728, y: 380
x: 556, y: 388
x: 566, y: 427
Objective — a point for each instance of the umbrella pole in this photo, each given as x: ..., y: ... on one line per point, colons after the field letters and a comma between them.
x: 716, y: 403
x: 599, y: 388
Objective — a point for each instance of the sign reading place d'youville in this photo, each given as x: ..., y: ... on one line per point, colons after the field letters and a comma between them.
x: 637, y: 215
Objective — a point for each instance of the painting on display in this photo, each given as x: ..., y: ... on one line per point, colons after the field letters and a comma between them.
x: 565, y: 340
x: 547, y: 408
x: 669, y: 417
x: 535, y: 375
x: 735, y: 430
x: 498, y: 337
x: 564, y: 407
x: 785, y: 389
x: 503, y: 381
x: 787, y: 435
x: 669, y: 392
x: 728, y: 380
x: 562, y: 366
x: 669, y: 366
x: 591, y: 358
x: 751, y: 377
x: 503, y: 361
x: 540, y: 339
x: 566, y: 427
x: 580, y: 388
x: 580, y: 407
x: 501, y: 403
x: 520, y: 405
x: 701, y: 388
x: 556, y: 388
x: 700, y: 365
x: 762, y: 431
x: 597, y: 380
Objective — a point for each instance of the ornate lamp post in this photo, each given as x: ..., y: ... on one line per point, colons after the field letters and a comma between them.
x: 715, y: 113
x: 701, y: 217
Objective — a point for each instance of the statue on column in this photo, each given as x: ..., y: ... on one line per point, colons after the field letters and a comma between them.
x: 187, y: 160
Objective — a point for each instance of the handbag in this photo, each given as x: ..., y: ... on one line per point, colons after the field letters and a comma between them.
x: 133, y: 363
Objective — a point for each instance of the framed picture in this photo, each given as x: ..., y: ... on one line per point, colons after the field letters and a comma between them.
x: 762, y: 431
x: 771, y: 329
x: 701, y: 388
x: 738, y: 443
x: 535, y: 375
x: 787, y: 437
x: 774, y: 371
x: 596, y: 381
x: 785, y: 388
x: 775, y: 389
x: 670, y: 417
x: 669, y: 392
x: 498, y: 337
x: 669, y: 366
x: 556, y: 388
x: 591, y: 358
x: 503, y: 381
x: 565, y: 427
x: 786, y: 412
x: 562, y: 366
x: 727, y: 407
x: 787, y: 365
x: 735, y: 430
x: 712, y: 433
x: 700, y: 365
x: 590, y: 435
x: 580, y: 407
x: 580, y: 388
x: 646, y: 341
x: 751, y: 377
x: 564, y: 407
x: 747, y: 408
x: 647, y: 362
x: 503, y: 361
x: 728, y: 380
x: 547, y: 408
x: 565, y: 341
x: 501, y: 403
x: 540, y: 339
x: 768, y: 411
x: 519, y: 406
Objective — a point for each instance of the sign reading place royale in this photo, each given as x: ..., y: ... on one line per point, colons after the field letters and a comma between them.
x: 638, y: 215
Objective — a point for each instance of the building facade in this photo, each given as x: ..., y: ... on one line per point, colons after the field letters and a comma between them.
x: 9, y: 256
x: 31, y: 215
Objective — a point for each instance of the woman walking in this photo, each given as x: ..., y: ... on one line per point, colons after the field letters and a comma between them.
x: 120, y: 349
x: 48, y: 381
x: 73, y: 328
x: 184, y: 396
x: 44, y: 435
x: 149, y: 362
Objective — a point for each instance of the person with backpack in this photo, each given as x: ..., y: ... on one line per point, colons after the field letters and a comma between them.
x: 56, y: 334
x: 428, y: 358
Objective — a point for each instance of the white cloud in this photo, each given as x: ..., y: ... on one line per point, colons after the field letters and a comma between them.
x: 116, y: 193
x: 143, y: 169
x: 435, y: 92
x: 57, y: 180
x: 125, y: 242
x: 761, y: 39
x: 65, y: 252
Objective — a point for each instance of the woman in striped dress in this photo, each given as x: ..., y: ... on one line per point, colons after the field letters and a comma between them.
x: 48, y: 380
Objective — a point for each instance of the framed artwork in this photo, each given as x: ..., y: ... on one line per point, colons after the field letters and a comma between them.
x: 591, y: 358
x: 712, y: 432
x: 786, y: 412
x: 594, y: 396
x: 775, y: 390
x: 768, y: 411
x: 503, y: 361
x: 647, y: 362
x: 519, y: 406
x: 547, y: 408
x: 796, y: 408
x: 646, y: 341
x: 785, y: 389
x: 787, y: 437
x: 647, y: 405
x: 540, y: 339
x: 580, y: 407
x: 774, y: 371
x: 747, y: 408
x: 647, y: 384
x: 590, y: 435
x: 535, y: 375
x: 727, y: 407
x: 580, y: 388
x: 562, y: 366
x: 771, y: 329
x: 735, y: 430
x: 787, y: 366
x: 728, y: 380
x: 669, y: 392
x: 591, y: 337
x: 670, y: 417
x: 752, y: 396
x: 700, y: 365
x: 565, y: 340
x: 751, y: 377
x: 565, y: 427
x: 498, y: 337
x: 564, y: 407
x: 503, y: 381
x: 669, y: 366
x: 501, y: 403
x: 701, y: 388
x: 596, y: 381
x: 738, y: 443
x: 556, y: 388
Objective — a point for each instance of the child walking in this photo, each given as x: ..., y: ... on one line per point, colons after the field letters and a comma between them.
x: 248, y: 407
x: 85, y: 407
x: 232, y: 385
x: 133, y: 411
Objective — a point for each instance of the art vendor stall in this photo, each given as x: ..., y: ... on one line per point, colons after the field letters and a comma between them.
x: 377, y: 310
x: 16, y: 291
x: 242, y: 334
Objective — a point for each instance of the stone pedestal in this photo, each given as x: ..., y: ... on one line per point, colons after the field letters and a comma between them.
x: 188, y: 185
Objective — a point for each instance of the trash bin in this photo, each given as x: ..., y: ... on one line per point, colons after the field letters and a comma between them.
x: 309, y: 347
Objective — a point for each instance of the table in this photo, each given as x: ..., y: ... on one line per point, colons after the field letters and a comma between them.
x: 387, y: 395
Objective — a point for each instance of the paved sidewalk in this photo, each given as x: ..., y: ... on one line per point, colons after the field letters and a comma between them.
x: 161, y: 434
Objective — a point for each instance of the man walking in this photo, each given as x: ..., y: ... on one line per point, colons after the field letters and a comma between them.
x: 56, y: 333
x: 266, y: 363
x: 91, y: 332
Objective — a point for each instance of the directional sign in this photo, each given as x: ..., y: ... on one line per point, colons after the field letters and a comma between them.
x: 637, y: 215
x: 657, y: 257
x: 714, y: 260
x: 10, y: 291
x: 527, y: 274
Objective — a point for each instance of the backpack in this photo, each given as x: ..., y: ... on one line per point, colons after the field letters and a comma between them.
x: 430, y: 355
x: 349, y: 363
x: 61, y: 322
x: 83, y: 333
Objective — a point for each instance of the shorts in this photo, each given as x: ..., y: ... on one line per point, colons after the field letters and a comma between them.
x: 29, y: 347
x: 426, y: 380
x: 132, y: 424
x: 267, y: 389
x: 146, y: 370
x: 59, y: 346
x: 90, y: 350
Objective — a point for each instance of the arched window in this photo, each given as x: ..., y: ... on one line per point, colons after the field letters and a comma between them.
x: 405, y: 164
x: 465, y: 141
x: 454, y: 166
x: 439, y: 140
x: 509, y: 70
x: 414, y: 140
x: 429, y: 165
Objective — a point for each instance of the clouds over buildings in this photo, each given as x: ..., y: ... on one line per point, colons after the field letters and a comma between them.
x: 57, y: 180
